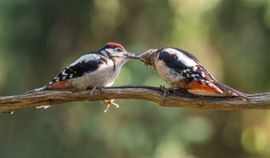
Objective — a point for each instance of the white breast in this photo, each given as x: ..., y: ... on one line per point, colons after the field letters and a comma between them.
x: 103, y: 76
x: 169, y: 75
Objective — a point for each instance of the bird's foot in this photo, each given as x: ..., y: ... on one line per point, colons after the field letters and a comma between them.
x: 177, y: 90
x: 165, y: 91
x: 101, y: 89
x: 109, y: 103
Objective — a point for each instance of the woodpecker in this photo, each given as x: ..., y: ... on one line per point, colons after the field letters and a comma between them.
x: 96, y: 69
x: 182, y: 70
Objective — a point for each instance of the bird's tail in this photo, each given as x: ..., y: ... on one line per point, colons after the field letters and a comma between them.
x: 38, y: 89
x: 230, y: 91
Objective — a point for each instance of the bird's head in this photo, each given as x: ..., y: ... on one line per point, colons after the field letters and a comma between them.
x: 148, y: 57
x: 116, y: 50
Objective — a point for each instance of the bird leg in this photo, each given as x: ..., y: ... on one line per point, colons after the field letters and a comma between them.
x: 177, y: 90
x: 101, y: 89
x: 109, y: 103
x: 165, y: 91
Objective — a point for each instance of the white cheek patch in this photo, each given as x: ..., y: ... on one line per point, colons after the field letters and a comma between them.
x: 182, y: 57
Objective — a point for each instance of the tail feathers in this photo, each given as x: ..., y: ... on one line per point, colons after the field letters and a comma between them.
x: 38, y: 89
x: 230, y: 91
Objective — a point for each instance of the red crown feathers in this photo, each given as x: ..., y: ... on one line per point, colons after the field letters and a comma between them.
x: 115, y: 44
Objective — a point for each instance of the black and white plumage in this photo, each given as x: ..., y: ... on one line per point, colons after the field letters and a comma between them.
x: 94, y: 69
x: 182, y: 70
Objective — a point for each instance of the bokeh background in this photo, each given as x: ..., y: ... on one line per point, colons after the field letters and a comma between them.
x: 39, y: 37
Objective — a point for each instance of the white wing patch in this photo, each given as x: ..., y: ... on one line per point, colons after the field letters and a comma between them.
x: 103, y: 76
x: 86, y: 58
x: 184, y: 59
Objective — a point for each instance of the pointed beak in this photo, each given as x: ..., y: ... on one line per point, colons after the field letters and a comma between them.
x: 142, y: 58
x: 148, y: 57
x: 131, y: 55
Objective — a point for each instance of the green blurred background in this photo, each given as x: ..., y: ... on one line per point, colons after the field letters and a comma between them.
x: 39, y: 37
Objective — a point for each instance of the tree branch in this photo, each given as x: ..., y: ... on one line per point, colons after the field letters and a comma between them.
x: 153, y: 94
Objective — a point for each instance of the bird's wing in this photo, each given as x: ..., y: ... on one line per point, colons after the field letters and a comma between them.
x: 197, y: 76
x: 86, y: 63
x: 187, y: 54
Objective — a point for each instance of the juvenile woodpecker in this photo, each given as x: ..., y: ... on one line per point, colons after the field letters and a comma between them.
x: 96, y: 69
x: 183, y: 71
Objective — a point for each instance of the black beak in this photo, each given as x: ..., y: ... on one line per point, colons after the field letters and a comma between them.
x: 132, y: 55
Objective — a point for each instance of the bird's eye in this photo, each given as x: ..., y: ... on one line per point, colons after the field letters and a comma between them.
x: 118, y: 49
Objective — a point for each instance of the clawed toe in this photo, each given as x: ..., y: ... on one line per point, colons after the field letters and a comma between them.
x: 165, y: 92
x: 109, y: 103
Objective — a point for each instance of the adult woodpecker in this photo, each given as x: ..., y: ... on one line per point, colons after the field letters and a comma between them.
x: 96, y: 69
x: 183, y: 71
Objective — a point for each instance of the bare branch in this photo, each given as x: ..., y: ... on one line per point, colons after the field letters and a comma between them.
x: 153, y: 94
